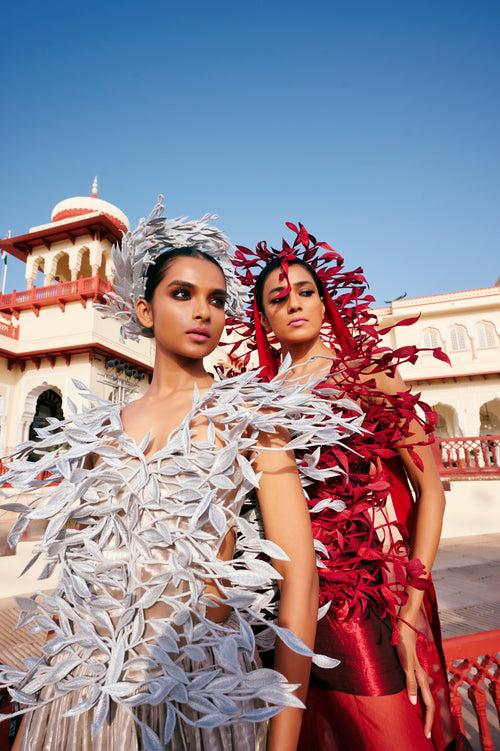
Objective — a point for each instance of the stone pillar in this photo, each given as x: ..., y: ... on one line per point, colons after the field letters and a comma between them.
x: 29, y: 274
x: 468, y: 413
x: 95, y: 257
x: 110, y: 269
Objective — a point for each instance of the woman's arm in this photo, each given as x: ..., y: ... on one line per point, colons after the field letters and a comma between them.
x: 430, y: 505
x: 428, y: 488
x: 286, y: 522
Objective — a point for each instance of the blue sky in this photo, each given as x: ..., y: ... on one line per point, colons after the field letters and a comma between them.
x: 375, y: 123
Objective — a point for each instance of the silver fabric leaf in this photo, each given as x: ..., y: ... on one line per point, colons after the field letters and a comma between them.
x: 141, y: 247
x: 131, y: 595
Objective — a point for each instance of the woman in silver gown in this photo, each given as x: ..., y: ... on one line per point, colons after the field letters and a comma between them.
x: 162, y: 578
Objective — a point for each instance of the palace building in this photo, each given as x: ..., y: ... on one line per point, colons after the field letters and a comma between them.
x: 51, y: 333
x: 465, y: 396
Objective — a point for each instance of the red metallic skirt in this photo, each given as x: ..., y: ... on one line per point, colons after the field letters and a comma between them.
x: 362, y: 705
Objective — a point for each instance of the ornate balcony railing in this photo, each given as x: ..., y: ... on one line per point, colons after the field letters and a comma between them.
x: 7, y: 329
x: 473, y: 663
x: 54, y: 294
x: 476, y: 455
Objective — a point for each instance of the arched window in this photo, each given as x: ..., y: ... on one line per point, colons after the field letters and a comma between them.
x: 459, y: 340
x: 102, y: 268
x: 48, y: 404
x: 441, y: 429
x: 38, y: 272
x: 431, y: 338
x: 447, y: 424
x: 489, y: 415
x: 85, y: 270
x: 61, y: 271
x: 486, y: 337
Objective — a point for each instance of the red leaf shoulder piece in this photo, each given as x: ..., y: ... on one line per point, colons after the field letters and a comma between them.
x: 369, y: 503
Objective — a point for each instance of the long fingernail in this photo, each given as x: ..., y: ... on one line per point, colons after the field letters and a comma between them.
x: 413, y: 699
x: 428, y: 735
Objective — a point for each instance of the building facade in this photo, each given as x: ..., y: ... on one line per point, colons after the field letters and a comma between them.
x: 51, y: 333
x: 465, y: 396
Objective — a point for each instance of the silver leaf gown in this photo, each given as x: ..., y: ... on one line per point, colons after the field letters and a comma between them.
x: 135, y: 663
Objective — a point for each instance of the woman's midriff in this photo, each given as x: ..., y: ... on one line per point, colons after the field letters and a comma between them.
x: 221, y: 612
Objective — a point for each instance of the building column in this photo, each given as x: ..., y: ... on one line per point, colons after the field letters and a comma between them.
x: 95, y: 257
x: 3, y: 425
x: 30, y: 273
x: 468, y: 415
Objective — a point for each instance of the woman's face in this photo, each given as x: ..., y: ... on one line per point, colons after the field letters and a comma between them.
x: 297, y: 317
x: 187, y: 309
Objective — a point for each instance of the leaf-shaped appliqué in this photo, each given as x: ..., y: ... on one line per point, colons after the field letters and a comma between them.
x: 323, y: 661
x: 166, y: 517
x: 100, y: 713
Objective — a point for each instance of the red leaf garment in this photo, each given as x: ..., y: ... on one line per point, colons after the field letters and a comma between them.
x: 365, y: 531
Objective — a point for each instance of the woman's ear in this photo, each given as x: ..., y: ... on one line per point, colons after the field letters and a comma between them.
x: 323, y: 306
x: 264, y: 322
x: 144, y: 313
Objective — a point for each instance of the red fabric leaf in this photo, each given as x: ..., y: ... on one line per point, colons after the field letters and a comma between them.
x: 440, y: 355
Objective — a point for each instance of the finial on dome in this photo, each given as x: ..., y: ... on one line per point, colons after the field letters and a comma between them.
x: 95, y: 188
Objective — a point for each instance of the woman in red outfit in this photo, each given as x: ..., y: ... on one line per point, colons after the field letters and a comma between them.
x: 376, y: 538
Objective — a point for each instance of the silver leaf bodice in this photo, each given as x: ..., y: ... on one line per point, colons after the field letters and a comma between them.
x: 136, y: 538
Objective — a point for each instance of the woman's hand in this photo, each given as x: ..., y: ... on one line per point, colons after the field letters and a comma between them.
x: 416, y: 677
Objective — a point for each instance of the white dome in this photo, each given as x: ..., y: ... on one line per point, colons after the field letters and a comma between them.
x: 82, y: 205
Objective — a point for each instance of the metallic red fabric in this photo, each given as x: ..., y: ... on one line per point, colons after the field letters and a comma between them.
x: 365, y: 568
x: 369, y: 665
x: 370, y: 671
x: 347, y: 722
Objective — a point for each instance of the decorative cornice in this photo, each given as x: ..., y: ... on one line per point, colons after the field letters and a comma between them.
x: 91, y: 348
x: 410, y: 302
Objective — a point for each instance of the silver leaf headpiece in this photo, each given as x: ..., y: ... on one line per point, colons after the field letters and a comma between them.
x: 140, y: 248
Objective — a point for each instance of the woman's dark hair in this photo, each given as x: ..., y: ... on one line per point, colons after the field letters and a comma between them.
x: 156, y: 271
x: 276, y: 264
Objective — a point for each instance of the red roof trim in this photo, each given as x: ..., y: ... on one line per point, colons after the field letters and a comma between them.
x: 67, y: 213
x: 21, y: 246
x: 95, y: 348
x: 410, y: 302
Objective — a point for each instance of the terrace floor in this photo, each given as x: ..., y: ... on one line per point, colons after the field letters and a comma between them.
x: 467, y: 579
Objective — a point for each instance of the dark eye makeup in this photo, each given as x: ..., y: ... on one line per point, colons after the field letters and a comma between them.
x: 181, y: 293
x: 306, y: 292
x: 184, y: 293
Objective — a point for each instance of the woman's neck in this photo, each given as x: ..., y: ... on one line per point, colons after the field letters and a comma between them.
x: 173, y: 373
x: 304, y: 351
